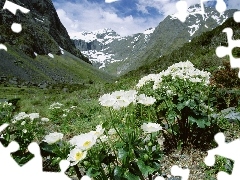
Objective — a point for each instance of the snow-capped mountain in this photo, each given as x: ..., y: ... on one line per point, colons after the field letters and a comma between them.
x: 118, y: 55
x: 105, y: 46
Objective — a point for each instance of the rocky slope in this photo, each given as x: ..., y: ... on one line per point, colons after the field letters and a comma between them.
x: 42, y: 31
x: 119, y: 55
x: 43, y: 51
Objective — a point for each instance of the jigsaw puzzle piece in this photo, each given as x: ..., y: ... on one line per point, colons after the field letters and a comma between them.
x: 9, y: 162
x: 223, y: 176
x: 34, y: 166
x: 12, y: 7
x: 228, y: 150
x: 221, y: 6
x: 2, y: 46
x: 176, y: 171
x: 236, y: 16
x: 222, y: 51
x: 182, y: 13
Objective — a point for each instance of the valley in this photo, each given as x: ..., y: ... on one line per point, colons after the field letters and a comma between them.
x: 119, y: 107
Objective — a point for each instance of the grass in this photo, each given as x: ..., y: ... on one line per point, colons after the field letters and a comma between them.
x: 88, y: 112
x: 65, y: 68
x: 39, y: 100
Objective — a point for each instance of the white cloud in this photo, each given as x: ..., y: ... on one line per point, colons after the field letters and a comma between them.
x: 165, y: 7
x: 110, y: 1
x: 86, y: 16
x: 90, y: 16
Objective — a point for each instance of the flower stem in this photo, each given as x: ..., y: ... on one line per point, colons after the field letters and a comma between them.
x: 79, y: 175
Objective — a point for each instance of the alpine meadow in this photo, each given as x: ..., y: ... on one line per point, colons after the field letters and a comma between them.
x: 119, y: 107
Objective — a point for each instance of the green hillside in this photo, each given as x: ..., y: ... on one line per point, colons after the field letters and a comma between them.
x: 64, y: 68
x: 200, y: 51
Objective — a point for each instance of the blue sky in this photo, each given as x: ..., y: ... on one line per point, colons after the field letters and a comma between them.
x: 126, y: 17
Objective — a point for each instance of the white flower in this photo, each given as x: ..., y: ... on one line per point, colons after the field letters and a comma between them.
x: 53, y: 137
x: 103, y: 138
x: 66, y: 110
x: 151, y: 127
x: 6, y: 104
x: 20, y: 116
x: 23, y: 123
x: 24, y: 131
x: 160, y: 141
x: 107, y: 100
x: 147, y: 79
x: 99, y: 130
x: 169, y: 92
x: 118, y: 99
x: 33, y: 116
x: 44, y: 119
x: 112, y: 131
x: 143, y: 99
x: 131, y: 95
x: 56, y: 105
x: 76, y: 155
x: 84, y: 141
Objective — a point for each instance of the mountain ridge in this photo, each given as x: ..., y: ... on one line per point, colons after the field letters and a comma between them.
x: 42, y: 30
x: 43, y: 51
x: 131, y: 52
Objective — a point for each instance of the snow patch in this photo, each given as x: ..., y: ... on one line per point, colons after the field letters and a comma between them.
x: 62, y: 52
x: 50, y: 55
x: 149, y: 31
x: 39, y: 20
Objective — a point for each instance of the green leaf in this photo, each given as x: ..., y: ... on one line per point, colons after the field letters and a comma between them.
x: 200, y: 122
x: 122, y: 154
x: 175, y: 128
x: 118, y: 172
x: 180, y: 106
x: 130, y: 176
x: 144, y: 168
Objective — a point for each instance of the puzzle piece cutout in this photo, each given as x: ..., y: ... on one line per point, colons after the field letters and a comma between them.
x: 222, y: 51
x: 12, y: 7
x: 16, y: 27
x: 30, y: 170
x: 182, y: 9
x: 176, y: 171
x: 227, y: 150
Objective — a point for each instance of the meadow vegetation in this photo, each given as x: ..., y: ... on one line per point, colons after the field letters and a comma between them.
x: 123, y: 129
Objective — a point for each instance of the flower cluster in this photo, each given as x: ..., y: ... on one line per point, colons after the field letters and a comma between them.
x: 181, y: 70
x: 23, y: 115
x: 53, y: 137
x: 82, y: 143
x: 5, y: 104
x: 119, y: 99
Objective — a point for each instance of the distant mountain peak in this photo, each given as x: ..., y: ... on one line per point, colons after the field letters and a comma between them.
x: 149, y: 31
x: 89, y: 36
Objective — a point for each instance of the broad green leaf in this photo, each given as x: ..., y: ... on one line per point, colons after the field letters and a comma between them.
x: 118, y: 172
x: 122, y: 154
x: 144, y: 168
x: 130, y: 176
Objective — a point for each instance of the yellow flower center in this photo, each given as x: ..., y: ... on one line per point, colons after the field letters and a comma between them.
x: 78, y: 155
x: 87, y: 143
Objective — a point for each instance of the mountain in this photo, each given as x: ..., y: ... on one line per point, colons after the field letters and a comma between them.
x: 123, y: 54
x: 105, y: 47
x: 201, y: 51
x: 43, y: 50
x: 42, y: 31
